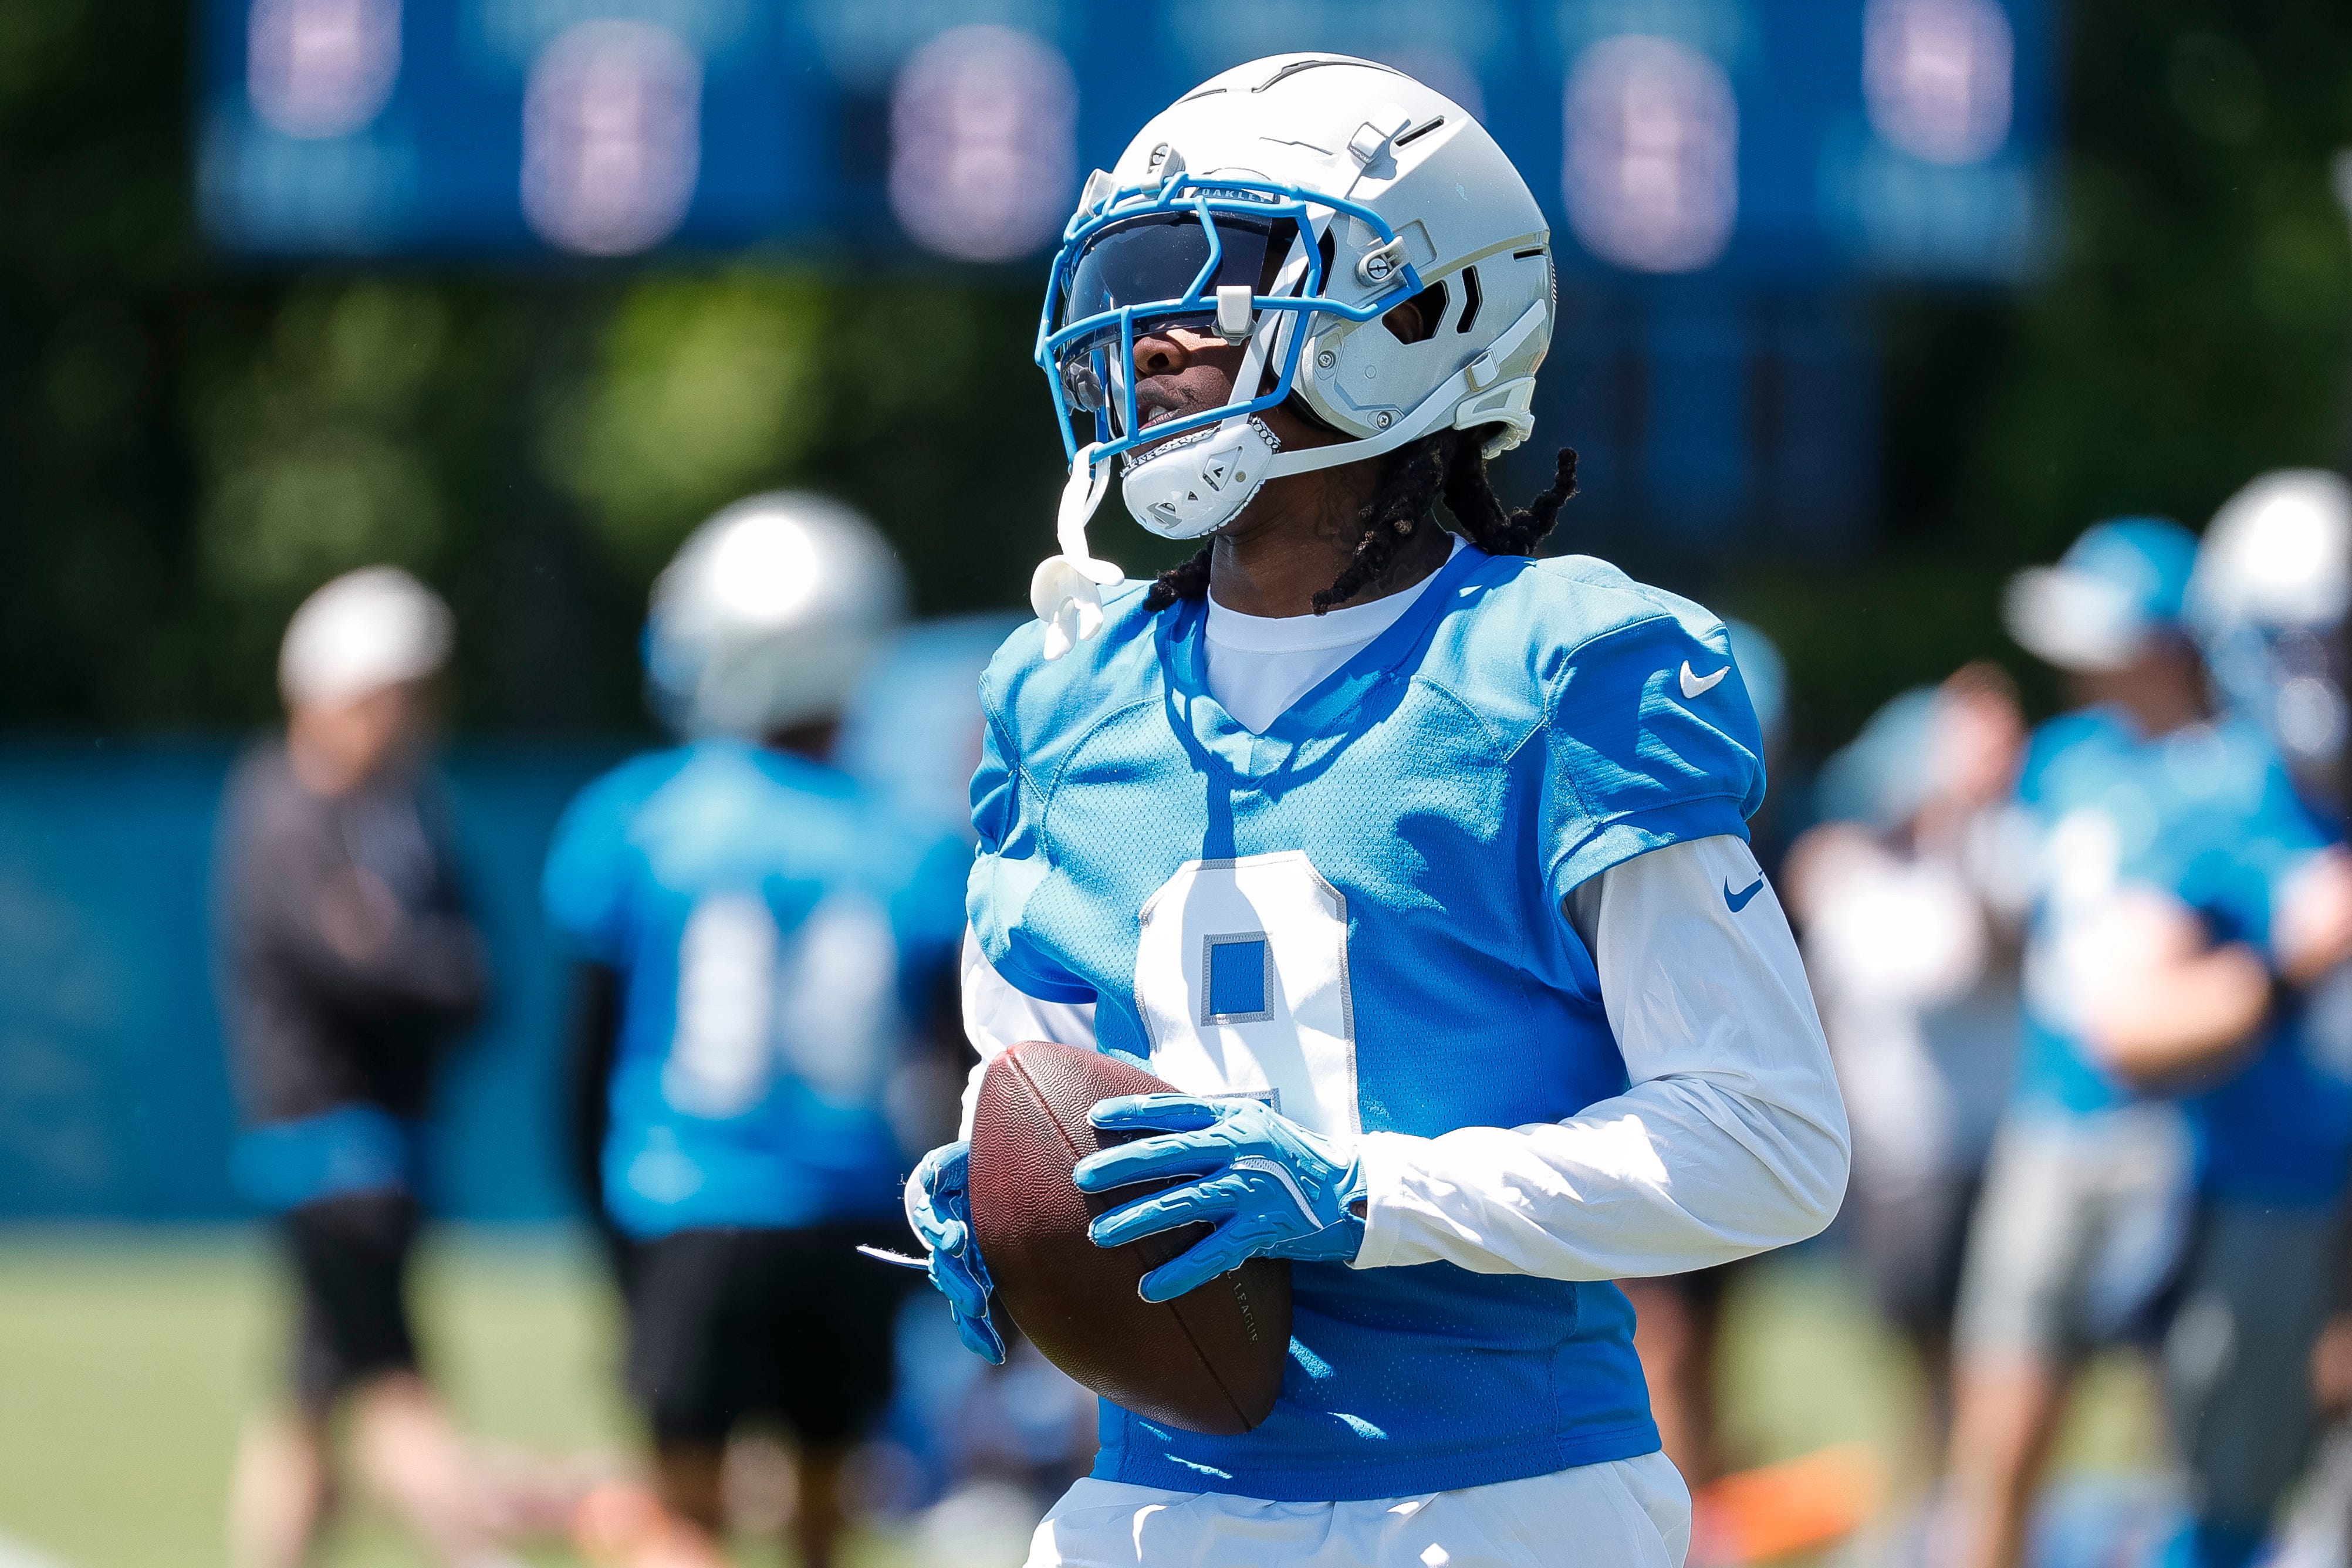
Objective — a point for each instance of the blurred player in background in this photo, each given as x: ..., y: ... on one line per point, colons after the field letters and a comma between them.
x: 761, y: 944
x: 2181, y: 890
x: 1911, y: 897
x: 2273, y: 584
x: 2273, y: 590
x: 2267, y: 602
x: 910, y: 732
x: 349, y: 964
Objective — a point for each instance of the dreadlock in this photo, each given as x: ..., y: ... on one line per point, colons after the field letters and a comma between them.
x: 1185, y: 580
x: 1482, y: 519
x: 1451, y: 466
x: 1411, y: 478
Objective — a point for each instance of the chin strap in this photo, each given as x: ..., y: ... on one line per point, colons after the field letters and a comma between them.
x: 1497, y: 402
x: 1065, y: 591
x: 1197, y: 482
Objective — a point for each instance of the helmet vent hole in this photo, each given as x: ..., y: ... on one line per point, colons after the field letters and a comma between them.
x: 1417, y: 321
x: 1471, y: 299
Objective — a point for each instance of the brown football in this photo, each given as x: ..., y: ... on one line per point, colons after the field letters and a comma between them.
x: 1208, y: 1361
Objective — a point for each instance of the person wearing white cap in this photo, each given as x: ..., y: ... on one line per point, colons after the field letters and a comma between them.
x: 347, y: 965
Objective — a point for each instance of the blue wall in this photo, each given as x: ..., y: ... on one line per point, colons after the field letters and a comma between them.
x: 114, y: 1091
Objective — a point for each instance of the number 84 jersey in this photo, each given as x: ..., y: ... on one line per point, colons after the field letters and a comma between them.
x: 1358, y: 917
x: 778, y: 933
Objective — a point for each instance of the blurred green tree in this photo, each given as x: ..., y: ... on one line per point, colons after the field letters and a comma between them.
x: 2190, y: 329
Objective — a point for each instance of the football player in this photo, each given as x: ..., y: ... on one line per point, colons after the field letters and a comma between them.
x: 2267, y: 602
x: 1910, y: 896
x: 2182, y: 889
x: 760, y: 941
x: 1420, y: 865
x: 349, y: 964
x: 2274, y: 590
x: 2274, y: 580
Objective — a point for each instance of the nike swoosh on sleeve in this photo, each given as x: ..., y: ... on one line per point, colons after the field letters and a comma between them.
x: 1696, y: 685
x: 1738, y: 901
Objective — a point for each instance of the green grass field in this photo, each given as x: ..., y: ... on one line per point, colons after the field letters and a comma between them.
x: 129, y: 1359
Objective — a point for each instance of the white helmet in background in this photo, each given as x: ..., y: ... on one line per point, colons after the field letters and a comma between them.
x: 769, y: 614
x: 1287, y: 205
x: 2278, y: 552
x: 2270, y: 594
x: 366, y: 630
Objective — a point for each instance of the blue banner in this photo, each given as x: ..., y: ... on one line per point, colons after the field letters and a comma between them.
x: 1788, y: 139
x: 115, y: 1100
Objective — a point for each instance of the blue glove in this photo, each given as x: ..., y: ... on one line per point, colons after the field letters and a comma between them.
x: 938, y: 1208
x: 1272, y: 1188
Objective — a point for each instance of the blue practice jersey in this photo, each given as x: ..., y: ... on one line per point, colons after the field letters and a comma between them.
x: 2207, y: 814
x: 1358, y: 917
x: 778, y: 935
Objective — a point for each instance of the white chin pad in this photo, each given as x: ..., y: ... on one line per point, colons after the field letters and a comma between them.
x: 1198, y: 482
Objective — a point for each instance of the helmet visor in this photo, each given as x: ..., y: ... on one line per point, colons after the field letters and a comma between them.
x: 1159, y: 270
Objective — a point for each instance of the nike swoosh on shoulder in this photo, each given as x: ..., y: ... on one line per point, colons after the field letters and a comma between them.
x: 1738, y: 901
x: 1694, y: 686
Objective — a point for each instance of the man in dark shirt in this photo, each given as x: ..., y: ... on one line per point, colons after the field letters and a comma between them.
x: 347, y: 964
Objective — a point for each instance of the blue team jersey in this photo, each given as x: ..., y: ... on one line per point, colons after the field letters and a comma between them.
x: 1358, y: 917
x: 778, y: 935
x: 2209, y: 815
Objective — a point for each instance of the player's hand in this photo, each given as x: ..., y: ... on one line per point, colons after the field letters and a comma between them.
x: 357, y: 915
x: 2313, y: 932
x: 938, y: 1210
x: 1272, y: 1188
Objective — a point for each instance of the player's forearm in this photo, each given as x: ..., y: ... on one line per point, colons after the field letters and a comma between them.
x: 590, y: 1046
x: 1677, y: 1173
x: 1732, y: 1139
x: 431, y: 965
x: 996, y: 1015
x: 2188, y: 1018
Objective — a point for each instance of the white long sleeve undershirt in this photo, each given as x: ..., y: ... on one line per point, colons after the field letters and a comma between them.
x: 1730, y: 1140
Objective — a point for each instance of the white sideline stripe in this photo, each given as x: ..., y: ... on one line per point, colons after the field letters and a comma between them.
x: 15, y: 1554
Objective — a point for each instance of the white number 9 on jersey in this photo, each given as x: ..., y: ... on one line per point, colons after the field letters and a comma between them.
x: 1241, y: 975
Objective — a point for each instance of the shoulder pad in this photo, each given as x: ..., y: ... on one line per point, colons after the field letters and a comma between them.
x: 1030, y: 696
x: 1539, y: 623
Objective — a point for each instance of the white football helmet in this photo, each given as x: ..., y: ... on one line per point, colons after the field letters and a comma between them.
x: 1287, y: 204
x: 769, y: 614
x: 2268, y: 600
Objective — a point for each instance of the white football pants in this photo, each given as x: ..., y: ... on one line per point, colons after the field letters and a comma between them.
x: 1630, y: 1513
